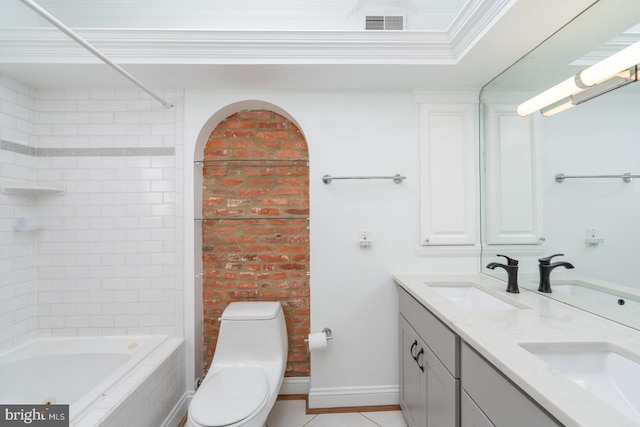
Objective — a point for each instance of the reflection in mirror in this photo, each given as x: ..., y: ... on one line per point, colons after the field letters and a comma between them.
x: 594, y: 219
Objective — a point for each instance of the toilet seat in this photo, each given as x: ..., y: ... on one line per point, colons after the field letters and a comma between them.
x: 229, y: 396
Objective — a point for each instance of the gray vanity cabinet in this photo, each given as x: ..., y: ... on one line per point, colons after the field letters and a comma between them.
x: 429, y: 386
x: 489, y: 399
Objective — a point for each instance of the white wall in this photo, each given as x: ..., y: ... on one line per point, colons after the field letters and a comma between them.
x: 352, y: 291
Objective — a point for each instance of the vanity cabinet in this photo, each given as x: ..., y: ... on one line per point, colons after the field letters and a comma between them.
x: 429, y: 368
x: 490, y: 399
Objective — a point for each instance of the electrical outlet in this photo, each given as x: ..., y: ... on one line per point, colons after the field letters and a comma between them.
x: 365, y: 239
x: 593, y: 237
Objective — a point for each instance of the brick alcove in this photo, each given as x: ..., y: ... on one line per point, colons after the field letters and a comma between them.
x: 255, y: 232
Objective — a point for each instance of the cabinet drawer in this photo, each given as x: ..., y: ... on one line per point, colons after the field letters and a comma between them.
x: 443, y: 342
x: 500, y: 400
x: 471, y: 415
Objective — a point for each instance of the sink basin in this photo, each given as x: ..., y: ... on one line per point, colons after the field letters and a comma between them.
x: 595, y: 296
x: 607, y: 371
x: 471, y: 297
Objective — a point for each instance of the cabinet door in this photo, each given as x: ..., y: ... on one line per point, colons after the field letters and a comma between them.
x: 412, y: 379
x: 442, y: 393
x: 448, y: 170
x: 514, y: 177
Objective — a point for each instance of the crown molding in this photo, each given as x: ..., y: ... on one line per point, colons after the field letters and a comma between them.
x: 152, y: 46
x: 475, y: 19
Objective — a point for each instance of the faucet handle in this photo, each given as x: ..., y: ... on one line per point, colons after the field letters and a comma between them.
x: 510, y: 261
x: 547, y: 260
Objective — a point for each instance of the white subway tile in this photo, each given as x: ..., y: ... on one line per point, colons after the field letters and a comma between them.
x: 101, y: 248
x: 91, y: 130
x: 102, y: 94
x: 139, y: 186
x: 76, y: 321
x: 102, y: 271
x: 89, y: 105
x: 127, y: 296
x: 114, y: 129
x: 64, y: 105
x: 114, y: 105
x: 8, y: 121
x: 76, y: 272
x: 117, y: 309
x: 64, y: 309
x: 54, y: 117
x: 101, y: 321
x: 77, y: 94
x: 114, y: 283
x: 152, y: 222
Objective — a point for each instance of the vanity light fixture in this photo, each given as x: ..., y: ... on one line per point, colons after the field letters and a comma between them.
x: 619, y: 80
x: 600, y: 73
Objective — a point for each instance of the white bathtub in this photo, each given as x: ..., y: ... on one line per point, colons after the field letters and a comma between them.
x: 91, y: 374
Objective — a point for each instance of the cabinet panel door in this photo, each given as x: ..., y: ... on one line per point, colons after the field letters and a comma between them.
x: 442, y: 393
x: 448, y: 170
x: 412, y: 379
x: 514, y: 177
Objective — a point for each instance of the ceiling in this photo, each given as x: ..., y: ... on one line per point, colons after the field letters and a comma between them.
x: 290, y: 45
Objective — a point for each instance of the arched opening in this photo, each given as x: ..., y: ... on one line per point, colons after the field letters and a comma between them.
x: 255, y: 224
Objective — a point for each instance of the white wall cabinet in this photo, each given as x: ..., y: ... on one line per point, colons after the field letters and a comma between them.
x: 448, y: 171
x: 513, y: 185
x: 429, y: 392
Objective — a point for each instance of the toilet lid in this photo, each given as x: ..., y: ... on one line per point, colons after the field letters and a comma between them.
x: 230, y: 395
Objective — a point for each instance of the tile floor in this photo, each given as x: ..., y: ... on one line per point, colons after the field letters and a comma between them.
x: 291, y: 413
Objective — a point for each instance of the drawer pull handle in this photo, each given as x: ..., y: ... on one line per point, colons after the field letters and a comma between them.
x: 415, y: 344
x: 420, y: 365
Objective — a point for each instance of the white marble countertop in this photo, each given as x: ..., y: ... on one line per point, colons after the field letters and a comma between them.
x: 497, y: 335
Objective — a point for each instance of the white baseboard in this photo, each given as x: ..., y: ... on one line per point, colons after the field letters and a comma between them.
x: 295, y: 385
x: 353, y: 396
x: 179, y: 410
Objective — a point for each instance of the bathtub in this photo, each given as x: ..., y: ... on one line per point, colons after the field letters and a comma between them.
x: 94, y: 375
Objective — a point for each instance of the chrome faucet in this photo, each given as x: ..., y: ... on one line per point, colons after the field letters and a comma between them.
x: 545, y: 266
x: 512, y: 273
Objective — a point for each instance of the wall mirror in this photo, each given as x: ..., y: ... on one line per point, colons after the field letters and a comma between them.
x: 593, y: 216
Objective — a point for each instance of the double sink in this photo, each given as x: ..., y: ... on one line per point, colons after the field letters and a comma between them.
x: 607, y: 371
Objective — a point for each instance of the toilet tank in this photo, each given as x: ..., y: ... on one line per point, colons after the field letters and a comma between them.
x: 252, y: 333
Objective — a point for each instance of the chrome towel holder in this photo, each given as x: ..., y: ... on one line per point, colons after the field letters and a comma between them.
x: 397, y: 178
x: 626, y: 177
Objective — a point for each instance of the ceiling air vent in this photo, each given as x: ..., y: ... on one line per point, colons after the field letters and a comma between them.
x: 380, y: 22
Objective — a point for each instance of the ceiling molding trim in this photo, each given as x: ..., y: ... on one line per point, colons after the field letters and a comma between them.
x: 136, y: 46
x: 473, y: 22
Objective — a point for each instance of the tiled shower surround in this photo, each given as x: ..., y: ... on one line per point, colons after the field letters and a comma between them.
x: 106, y: 256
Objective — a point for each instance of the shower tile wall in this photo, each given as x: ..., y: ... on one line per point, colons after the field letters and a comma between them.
x: 108, y: 252
x: 17, y: 250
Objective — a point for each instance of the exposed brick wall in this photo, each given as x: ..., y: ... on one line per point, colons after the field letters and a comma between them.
x: 257, y: 248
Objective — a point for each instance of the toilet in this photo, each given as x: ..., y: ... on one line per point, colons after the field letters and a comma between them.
x: 248, y: 365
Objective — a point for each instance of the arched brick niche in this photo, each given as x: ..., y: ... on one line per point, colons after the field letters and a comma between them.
x: 255, y: 232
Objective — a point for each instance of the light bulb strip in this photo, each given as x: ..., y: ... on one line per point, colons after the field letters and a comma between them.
x: 589, y: 77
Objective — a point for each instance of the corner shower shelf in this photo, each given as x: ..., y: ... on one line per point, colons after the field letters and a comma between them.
x: 33, y: 189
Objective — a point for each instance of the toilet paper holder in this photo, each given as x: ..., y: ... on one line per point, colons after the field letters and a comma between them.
x: 327, y: 332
